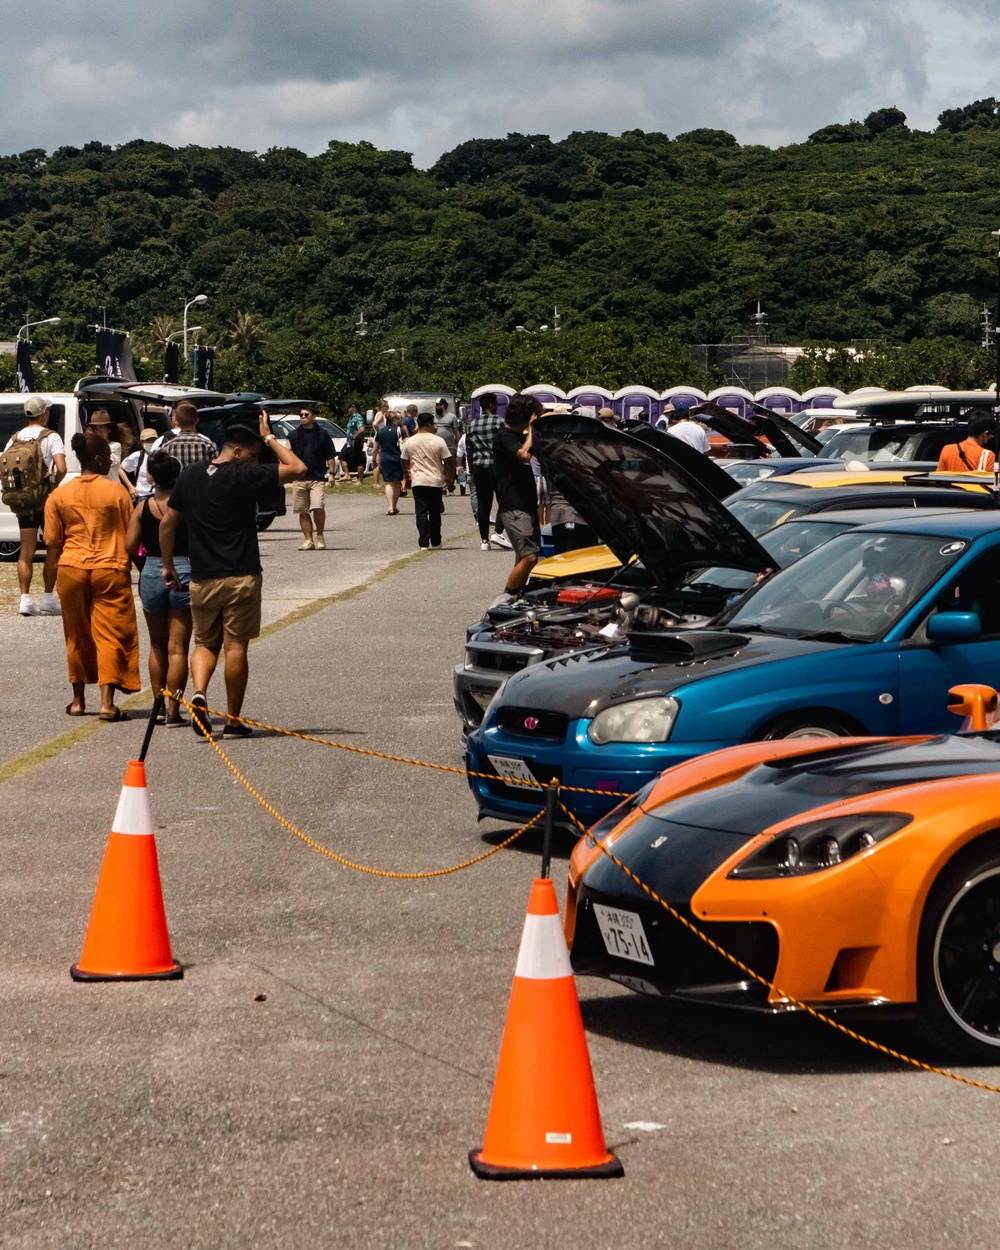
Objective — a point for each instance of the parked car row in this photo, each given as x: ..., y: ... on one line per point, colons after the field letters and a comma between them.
x: 772, y: 804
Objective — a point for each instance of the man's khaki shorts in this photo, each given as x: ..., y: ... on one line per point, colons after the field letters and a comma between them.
x: 308, y: 496
x: 225, y: 608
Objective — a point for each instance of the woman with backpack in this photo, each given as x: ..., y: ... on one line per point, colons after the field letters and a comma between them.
x: 86, y: 520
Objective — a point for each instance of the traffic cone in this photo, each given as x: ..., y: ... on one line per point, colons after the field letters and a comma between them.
x: 127, y: 937
x: 544, y: 1122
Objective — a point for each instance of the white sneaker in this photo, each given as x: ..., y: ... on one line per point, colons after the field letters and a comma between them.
x: 28, y: 606
x: 308, y: 545
x: 484, y: 545
x: 501, y: 541
x: 50, y: 605
x: 321, y: 543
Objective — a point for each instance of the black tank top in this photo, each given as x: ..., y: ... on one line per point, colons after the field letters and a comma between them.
x: 149, y: 528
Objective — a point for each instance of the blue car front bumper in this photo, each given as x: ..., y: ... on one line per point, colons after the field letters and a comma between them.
x: 608, y: 771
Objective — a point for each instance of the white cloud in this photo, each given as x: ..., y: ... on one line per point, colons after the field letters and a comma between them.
x: 426, y: 77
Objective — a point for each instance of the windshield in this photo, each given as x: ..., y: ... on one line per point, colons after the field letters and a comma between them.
x: 876, y: 446
x: 746, y: 471
x: 760, y: 515
x: 853, y: 589
x: 785, y: 543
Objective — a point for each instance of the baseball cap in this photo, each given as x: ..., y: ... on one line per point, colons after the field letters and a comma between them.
x: 36, y: 405
x: 148, y: 435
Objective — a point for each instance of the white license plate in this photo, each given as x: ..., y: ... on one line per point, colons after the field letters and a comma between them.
x: 623, y: 934
x: 511, y: 769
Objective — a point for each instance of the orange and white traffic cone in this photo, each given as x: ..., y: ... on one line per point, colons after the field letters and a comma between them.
x: 127, y: 937
x: 544, y: 1121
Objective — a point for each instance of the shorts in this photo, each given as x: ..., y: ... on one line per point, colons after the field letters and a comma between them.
x: 155, y: 596
x: 522, y: 530
x: 30, y: 520
x: 226, y: 608
x: 308, y: 496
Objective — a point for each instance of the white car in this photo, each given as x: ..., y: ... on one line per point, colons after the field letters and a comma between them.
x: 64, y: 417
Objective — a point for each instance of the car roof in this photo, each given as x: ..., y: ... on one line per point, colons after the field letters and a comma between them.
x: 877, y: 516
x: 833, y: 477
x: 953, y: 523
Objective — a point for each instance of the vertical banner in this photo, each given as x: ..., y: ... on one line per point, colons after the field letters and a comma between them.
x: 114, y: 355
x: 171, y: 362
x: 25, y: 373
x: 203, y: 366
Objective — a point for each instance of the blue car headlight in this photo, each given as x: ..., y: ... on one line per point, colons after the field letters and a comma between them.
x: 641, y: 720
x: 819, y: 844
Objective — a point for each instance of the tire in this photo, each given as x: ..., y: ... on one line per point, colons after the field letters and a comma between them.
x: 958, y: 957
x: 807, y: 725
x: 9, y: 552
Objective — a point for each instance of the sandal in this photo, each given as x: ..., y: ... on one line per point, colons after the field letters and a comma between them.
x: 113, y: 717
x: 70, y: 712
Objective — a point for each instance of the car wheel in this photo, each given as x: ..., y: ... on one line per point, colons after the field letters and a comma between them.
x: 958, y: 958
x: 9, y: 551
x: 805, y: 725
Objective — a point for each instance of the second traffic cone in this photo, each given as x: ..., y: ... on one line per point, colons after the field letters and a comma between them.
x: 544, y: 1122
x: 127, y: 937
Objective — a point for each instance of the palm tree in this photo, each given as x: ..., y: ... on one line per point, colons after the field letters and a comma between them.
x: 247, y: 335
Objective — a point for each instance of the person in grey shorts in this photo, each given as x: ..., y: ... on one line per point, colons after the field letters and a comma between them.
x: 517, y: 499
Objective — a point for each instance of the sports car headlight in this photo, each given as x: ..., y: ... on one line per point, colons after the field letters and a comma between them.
x: 820, y: 844
x: 642, y: 720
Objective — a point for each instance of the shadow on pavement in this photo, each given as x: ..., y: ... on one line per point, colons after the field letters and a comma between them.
x: 791, y: 1044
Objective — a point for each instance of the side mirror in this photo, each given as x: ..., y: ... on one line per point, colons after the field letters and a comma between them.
x: 954, y: 627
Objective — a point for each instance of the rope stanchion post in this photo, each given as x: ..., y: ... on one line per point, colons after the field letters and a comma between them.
x: 159, y: 703
x: 548, y: 827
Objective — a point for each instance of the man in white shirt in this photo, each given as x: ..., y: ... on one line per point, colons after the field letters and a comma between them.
x: 432, y: 470
x: 136, y: 463
x: 690, y: 432
x: 36, y: 409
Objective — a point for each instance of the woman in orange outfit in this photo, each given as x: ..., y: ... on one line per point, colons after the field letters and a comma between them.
x: 85, y: 521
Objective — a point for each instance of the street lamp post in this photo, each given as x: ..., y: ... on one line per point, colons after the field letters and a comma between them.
x: 198, y: 299
x: 48, y: 321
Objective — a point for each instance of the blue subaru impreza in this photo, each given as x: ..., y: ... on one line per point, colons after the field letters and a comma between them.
x: 863, y: 636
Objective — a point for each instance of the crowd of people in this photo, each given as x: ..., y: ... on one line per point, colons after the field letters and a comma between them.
x: 184, y: 511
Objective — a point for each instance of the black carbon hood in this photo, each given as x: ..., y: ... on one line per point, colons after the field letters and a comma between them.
x: 579, y: 683
x: 782, y: 789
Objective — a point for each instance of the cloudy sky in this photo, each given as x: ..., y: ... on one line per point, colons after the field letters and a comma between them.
x: 424, y: 75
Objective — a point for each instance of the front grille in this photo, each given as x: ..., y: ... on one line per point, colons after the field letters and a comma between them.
x: 523, y: 722
x: 495, y: 660
x: 681, y: 959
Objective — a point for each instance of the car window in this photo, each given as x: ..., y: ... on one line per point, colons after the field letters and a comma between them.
x: 975, y: 589
x: 857, y: 586
x: 760, y: 515
x: 12, y: 419
x: 876, y: 446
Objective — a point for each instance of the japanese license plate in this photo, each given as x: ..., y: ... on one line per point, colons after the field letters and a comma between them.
x: 623, y: 934
x: 510, y: 768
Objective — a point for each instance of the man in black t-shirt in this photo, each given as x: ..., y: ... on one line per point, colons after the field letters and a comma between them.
x: 517, y: 499
x: 218, y: 501
x: 314, y: 447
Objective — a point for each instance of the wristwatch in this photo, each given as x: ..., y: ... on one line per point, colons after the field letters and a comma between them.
x: 269, y: 438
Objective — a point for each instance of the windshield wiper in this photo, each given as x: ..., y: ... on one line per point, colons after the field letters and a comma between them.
x: 756, y: 629
x: 830, y: 635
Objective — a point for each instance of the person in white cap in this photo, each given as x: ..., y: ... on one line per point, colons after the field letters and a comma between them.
x: 36, y: 409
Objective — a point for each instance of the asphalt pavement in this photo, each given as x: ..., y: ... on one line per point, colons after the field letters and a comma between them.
x: 321, y: 1072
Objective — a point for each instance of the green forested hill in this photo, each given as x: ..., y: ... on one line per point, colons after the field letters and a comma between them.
x: 868, y: 230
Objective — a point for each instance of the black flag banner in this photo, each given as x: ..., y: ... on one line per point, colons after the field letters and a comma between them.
x: 203, y: 366
x: 114, y: 355
x: 171, y: 362
x: 25, y: 373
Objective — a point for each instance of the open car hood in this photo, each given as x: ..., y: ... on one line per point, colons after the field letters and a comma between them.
x: 647, y: 495
x: 784, y: 436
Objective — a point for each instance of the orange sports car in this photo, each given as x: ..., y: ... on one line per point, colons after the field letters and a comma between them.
x: 861, y: 873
